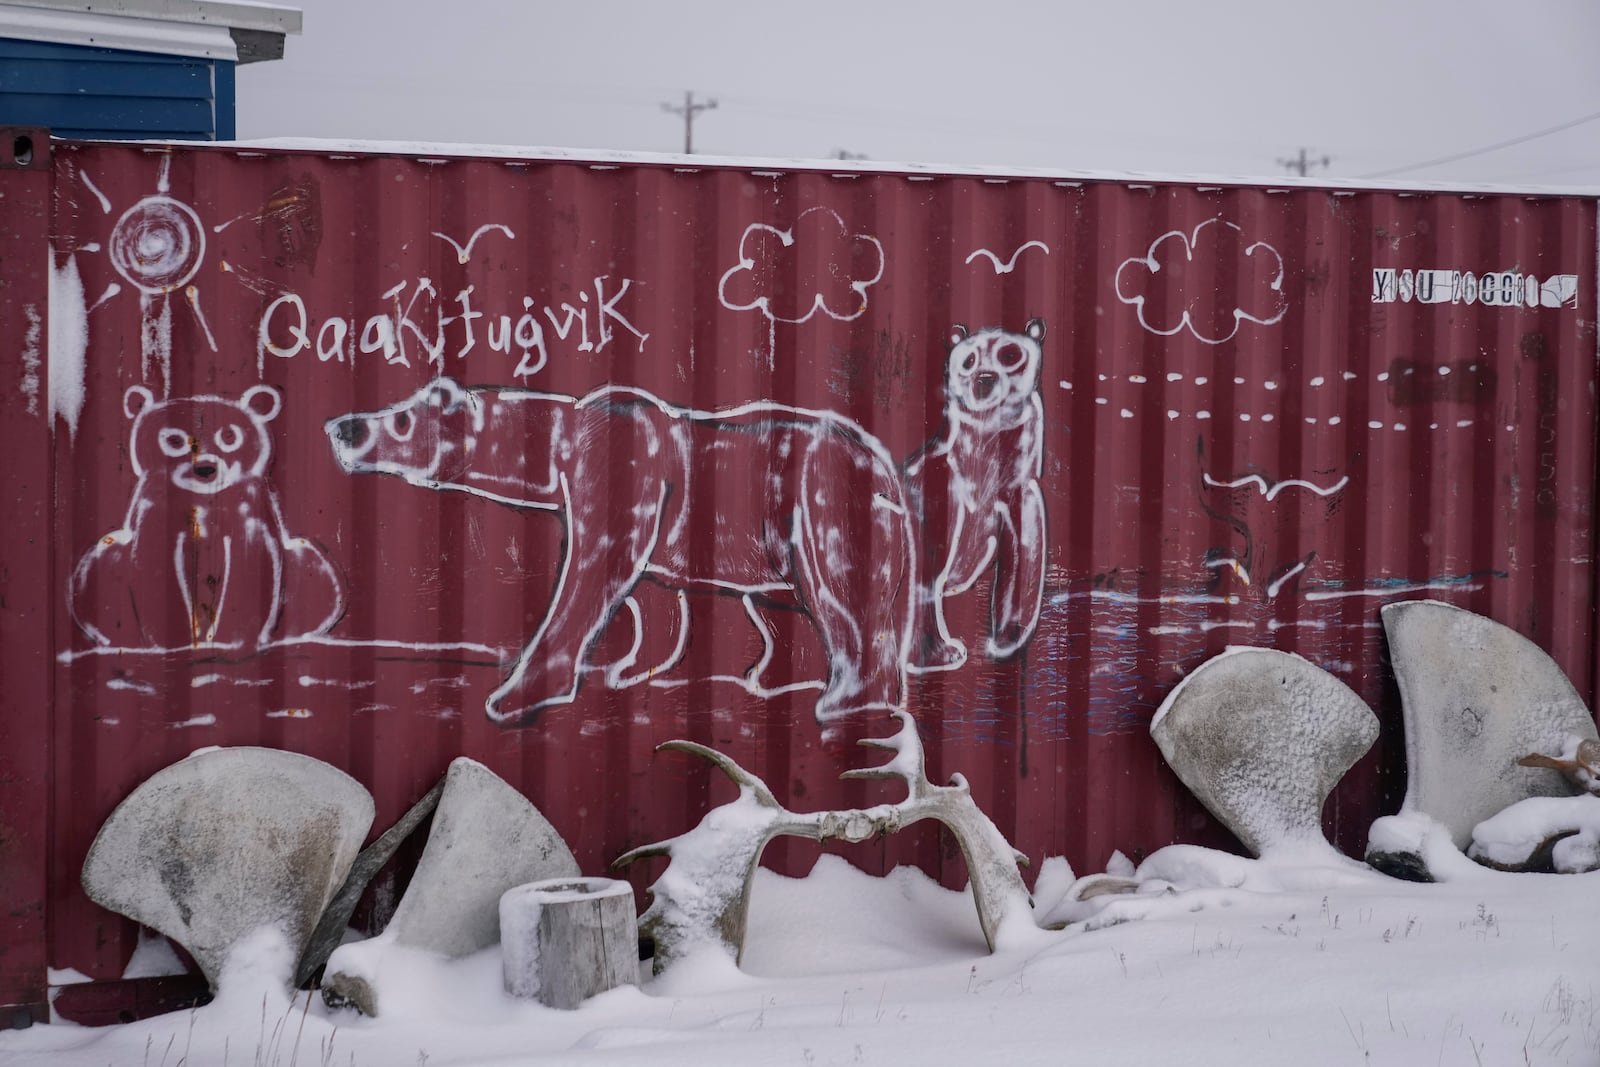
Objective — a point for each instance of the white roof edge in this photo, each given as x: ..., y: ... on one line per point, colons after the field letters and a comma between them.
x: 613, y: 157
x: 228, y: 14
x: 52, y: 26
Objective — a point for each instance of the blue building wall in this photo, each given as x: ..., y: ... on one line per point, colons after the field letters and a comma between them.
x: 87, y: 92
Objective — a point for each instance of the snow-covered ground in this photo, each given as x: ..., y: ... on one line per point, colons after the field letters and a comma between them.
x: 1308, y: 960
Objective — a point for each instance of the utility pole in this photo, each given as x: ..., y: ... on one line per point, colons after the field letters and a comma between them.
x: 688, y: 109
x: 1302, y: 164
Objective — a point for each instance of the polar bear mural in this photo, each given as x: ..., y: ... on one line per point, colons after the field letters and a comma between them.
x: 811, y: 516
x: 974, y: 497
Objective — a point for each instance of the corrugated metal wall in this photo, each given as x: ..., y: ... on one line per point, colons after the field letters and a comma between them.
x: 1243, y: 416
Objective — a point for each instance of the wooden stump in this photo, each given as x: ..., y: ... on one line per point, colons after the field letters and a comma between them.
x: 565, y: 939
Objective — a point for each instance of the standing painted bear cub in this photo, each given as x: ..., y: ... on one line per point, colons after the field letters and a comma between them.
x: 203, y: 558
x: 812, y: 517
x: 973, y: 492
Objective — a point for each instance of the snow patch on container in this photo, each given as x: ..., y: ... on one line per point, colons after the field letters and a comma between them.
x: 69, y: 341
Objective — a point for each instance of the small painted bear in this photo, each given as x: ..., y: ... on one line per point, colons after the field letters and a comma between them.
x: 974, y: 496
x: 203, y: 558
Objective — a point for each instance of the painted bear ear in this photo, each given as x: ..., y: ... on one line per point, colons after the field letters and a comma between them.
x: 958, y: 333
x: 136, y: 399
x: 262, y: 401
x: 1035, y: 329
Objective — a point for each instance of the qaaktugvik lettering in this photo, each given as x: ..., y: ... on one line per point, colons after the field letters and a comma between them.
x: 823, y: 507
x: 974, y: 495
x: 203, y: 558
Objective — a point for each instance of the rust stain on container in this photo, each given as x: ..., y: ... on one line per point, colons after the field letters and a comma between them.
x: 385, y: 462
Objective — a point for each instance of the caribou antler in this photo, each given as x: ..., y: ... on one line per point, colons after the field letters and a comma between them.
x: 1579, y: 761
x: 703, y: 896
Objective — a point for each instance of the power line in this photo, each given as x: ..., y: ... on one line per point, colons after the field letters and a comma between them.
x: 1487, y: 148
x: 688, y: 109
x: 1302, y: 164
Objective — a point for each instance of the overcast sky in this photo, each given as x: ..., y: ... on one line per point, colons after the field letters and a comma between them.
x: 1180, y: 86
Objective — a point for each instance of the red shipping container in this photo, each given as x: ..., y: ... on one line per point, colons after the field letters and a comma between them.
x: 389, y: 458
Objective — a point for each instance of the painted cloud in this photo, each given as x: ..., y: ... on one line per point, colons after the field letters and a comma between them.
x: 790, y: 275
x: 1175, y: 285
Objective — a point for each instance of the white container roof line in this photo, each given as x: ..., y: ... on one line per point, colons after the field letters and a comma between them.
x: 772, y: 167
x: 201, y: 29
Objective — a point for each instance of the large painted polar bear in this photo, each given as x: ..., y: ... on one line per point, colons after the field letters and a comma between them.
x: 792, y: 507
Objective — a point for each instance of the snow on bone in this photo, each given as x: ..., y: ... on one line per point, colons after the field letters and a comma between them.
x: 486, y: 838
x: 226, y: 842
x: 1476, y: 697
x: 1262, y: 737
x: 1560, y: 834
x: 702, y: 899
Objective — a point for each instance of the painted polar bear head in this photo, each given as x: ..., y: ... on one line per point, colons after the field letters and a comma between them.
x: 992, y: 374
x: 203, y: 444
x: 427, y: 437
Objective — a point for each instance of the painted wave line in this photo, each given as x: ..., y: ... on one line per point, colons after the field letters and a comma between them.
x: 1391, y: 590
x: 1274, y: 625
x: 308, y: 639
x: 1272, y: 490
x: 1134, y: 598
